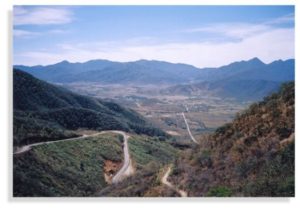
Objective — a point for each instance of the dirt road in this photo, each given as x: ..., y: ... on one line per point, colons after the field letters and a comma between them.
x: 127, y: 168
x: 26, y: 148
x: 165, y: 181
x: 188, y: 128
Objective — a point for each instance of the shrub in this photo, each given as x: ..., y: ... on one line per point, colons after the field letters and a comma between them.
x: 219, y: 192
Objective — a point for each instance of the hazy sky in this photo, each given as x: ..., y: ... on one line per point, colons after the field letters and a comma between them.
x: 204, y: 36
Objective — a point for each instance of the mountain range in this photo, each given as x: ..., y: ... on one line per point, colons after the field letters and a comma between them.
x: 108, y: 72
x: 243, y: 80
x: 158, y: 72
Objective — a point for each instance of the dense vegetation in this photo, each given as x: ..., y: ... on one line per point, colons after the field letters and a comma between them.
x: 45, y: 112
x: 144, y: 183
x: 76, y: 168
x: 144, y: 150
x: 252, y: 156
x: 73, y: 168
x: 149, y: 155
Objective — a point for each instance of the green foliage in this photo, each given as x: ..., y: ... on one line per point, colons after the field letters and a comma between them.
x: 149, y: 156
x: 73, y: 168
x: 28, y: 130
x: 145, y: 149
x: 219, y: 192
x: 74, y: 118
x: 148, y: 130
x: 44, y: 112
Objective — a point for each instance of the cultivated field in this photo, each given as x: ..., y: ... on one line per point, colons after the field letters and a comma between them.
x: 203, y: 111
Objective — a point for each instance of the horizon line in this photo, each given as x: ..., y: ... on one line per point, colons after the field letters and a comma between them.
x: 153, y: 60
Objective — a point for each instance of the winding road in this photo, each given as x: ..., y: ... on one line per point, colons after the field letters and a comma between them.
x: 28, y: 147
x: 165, y: 181
x: 127, y: 168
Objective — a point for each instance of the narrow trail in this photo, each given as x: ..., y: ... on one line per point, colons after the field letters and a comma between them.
x: 165, y: 181
x: 188, y: 128
x: 127, y: 168
x: 164, y: 178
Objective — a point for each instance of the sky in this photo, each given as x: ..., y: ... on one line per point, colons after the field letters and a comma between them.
x: 203, y: 36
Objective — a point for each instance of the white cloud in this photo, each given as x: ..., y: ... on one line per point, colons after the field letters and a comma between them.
x: 24, y: 33
x: 41, y: 15
x: 233, y: 30
x: 266, y: 41
x: 18, y: 33
x: 241, y: 30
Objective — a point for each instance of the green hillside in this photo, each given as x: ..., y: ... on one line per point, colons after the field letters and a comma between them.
x: 149, y: 156
x: 73, y: 168
x: 46, y: 112
x: 77, y: 168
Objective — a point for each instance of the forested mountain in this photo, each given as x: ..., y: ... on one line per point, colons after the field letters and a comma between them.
x: 108, y: 72
x: 45, y: 112
x: 245, y: 80
x: 158, y: 72
x: 252, y: 156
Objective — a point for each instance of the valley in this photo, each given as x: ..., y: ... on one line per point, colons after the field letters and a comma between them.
x: 151, y: 101
x: 167, y: 137
x: 204, y: 111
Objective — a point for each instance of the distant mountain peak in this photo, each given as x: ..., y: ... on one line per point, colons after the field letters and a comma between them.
x: 255, y: 60
x: 283, y: 62
x: 97, y: 60
x: 158, y: 72
x: 64, y: 62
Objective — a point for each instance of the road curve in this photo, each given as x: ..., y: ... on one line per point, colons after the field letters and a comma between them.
x: 188, y: 129
x: 165, y: 181
x: 127, y: 168
x: 29, y: 146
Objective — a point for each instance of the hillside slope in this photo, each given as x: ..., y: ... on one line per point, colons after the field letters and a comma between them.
x: 149, y: 155
x: 74, y: 168
x: 82, y: 168
x: 45, y: 112
x: 241, y: 90
x: 252, y: 156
